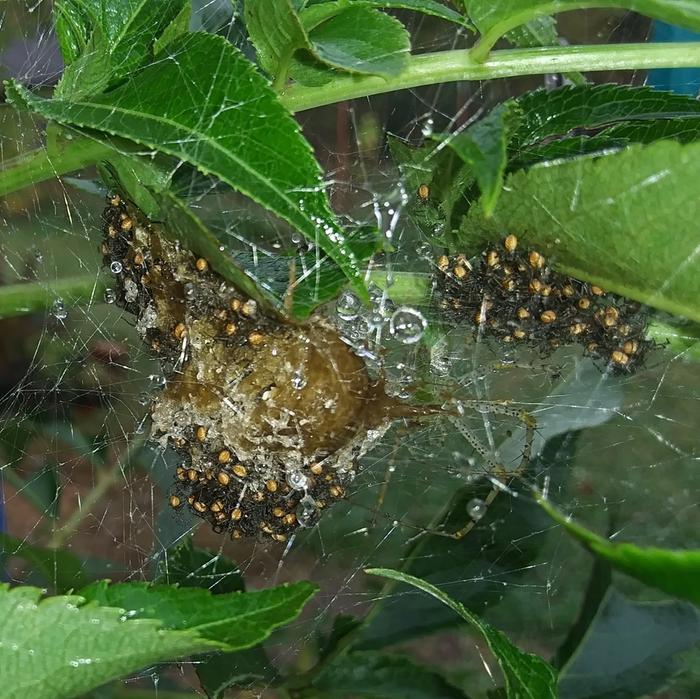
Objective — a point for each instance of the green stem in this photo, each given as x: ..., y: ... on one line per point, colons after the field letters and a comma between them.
x: 452, y: 66
x: 426, y: 69
x: 283, y: 66
x: 542, y: 9
x: 32, y: 297
x: 41, y: 164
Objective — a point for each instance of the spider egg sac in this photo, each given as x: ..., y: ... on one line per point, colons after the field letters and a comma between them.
x: 267, y: 418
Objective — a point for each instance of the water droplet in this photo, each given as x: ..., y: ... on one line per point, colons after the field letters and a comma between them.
x: 375, y: 294
x: 425, y: 250
x: 388, y: 308
x: 298, y: 380
x: 307, y: 512
x: 189, y: 290
x: 38, y: 255
x: 476, y: 509
x: 296, y: 480
x: 296, y: 238
x: 407, y: 325
x: 144, y: 398
x: 58, y: 310
x: 375, y: 320
x: 348, y: 306
x: 157, y: 380
x: 221, y: 248
x: 116, y: 267
x: 110, y: 296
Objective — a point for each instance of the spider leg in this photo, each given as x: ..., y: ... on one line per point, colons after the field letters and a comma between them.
x: 499, y: 473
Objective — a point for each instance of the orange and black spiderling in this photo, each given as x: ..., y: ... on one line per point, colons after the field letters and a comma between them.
x: 267, y: 419
x: 513, y: 295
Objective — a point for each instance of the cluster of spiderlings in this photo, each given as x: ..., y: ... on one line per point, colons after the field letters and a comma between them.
x: 267, y: 419
x: 515, y: 296
x: 225, y: 494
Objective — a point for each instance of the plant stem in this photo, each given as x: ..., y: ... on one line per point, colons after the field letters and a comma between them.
x: 426, y: 69
x: 32, y: 297
x: 541, y: 9
x: 40, y: 164
x: 451, y: 66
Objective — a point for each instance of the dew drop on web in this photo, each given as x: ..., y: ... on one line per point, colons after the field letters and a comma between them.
x: 348, y: 306
x: 59, y: 310
x: 407, y: 325
x: 307, y: 511
x: 296, y: 480
x: 476, y: 509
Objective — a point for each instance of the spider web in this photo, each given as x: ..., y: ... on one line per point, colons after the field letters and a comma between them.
x: 620, y: 453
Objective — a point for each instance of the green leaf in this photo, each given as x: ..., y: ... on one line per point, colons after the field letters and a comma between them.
x: 187, y: 566
x: 541, y: 31
x: 237, y: 619
x: 325, y: 39
x: 182, y: 223
x: 630, y: 650
x: 204, y: 103
x: 276, y: 32
x: 624, y: 221
x: 223, y: 671
x: 547, y: 114
x: 315, y: 14
x: 60, y: 647
x: 360, y: 39
x: 335, y: 48
x: 72, y: 21
x: 89, y: 74
x: 676, y: 573
x: 369, y: 674
x: 574, y: 121
x: 527, y: 676
x: 484, y: 147
x: 125, y: 172
x: 494, y: 18
x: 59, y: 568
x: 178, y: 26
x: 319, y: 279
x: 120, y: 40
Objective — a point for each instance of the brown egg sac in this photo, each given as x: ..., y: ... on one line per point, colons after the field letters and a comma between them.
x: 514, y: 296
x: 268, y: 419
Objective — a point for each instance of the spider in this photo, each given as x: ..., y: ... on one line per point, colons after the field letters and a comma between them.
x: 514, y: 296
x: 268, y: 418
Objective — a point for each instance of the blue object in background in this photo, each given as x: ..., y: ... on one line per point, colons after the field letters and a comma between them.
x: 685, y: 81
